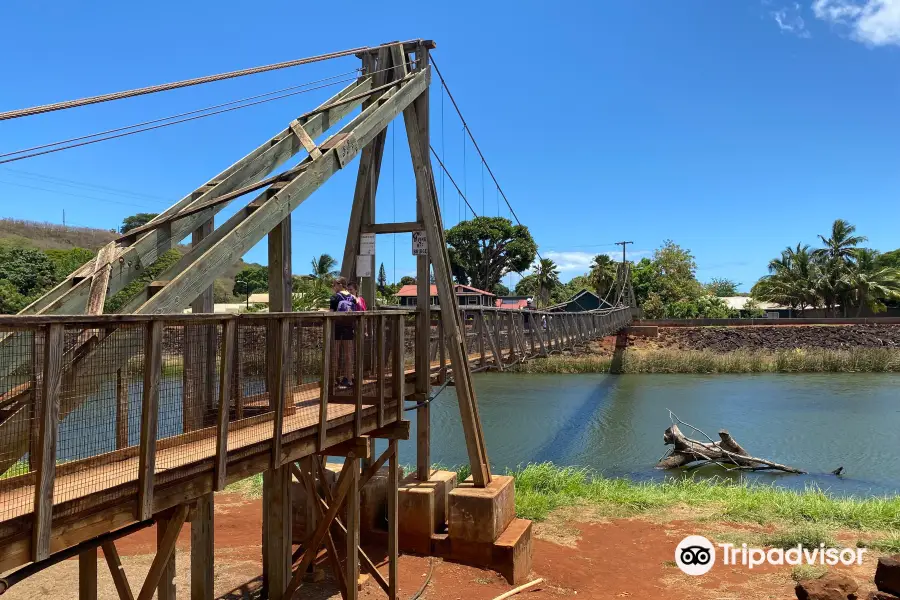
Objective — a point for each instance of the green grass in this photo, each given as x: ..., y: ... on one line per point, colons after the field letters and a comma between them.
x: 250, y: 487
x: 806, y: 535
x: 806, y: 572
x: 19, y: 468
x: 541, y: 488
x: 855, y: 360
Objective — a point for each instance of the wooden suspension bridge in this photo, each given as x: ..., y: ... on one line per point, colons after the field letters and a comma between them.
x: 112, y: 422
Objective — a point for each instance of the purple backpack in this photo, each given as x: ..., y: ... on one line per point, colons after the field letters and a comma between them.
x: 347, y: 303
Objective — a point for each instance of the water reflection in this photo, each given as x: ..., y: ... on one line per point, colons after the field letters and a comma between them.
x: 614, y: 423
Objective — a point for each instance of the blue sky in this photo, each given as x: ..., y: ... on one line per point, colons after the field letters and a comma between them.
x: 734, y: 128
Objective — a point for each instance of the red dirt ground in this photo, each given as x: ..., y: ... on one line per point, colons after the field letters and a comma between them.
x: 614, y: 559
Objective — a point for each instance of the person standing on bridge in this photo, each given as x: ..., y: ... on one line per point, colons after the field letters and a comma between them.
x: 344, y: 331
x: 353, y: 288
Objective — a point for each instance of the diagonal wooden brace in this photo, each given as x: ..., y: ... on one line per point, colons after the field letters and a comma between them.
x: 305, y: 139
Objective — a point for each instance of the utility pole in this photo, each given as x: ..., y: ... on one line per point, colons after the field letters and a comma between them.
x: 623, y: 277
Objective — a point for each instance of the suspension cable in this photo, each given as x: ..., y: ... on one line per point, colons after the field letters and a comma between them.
x: 453, y: 181
x: 34, y: 110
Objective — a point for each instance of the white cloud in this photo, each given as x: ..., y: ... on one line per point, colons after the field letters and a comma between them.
x: 581, y: 261
x: 790, y: 20
x: 873, y: 22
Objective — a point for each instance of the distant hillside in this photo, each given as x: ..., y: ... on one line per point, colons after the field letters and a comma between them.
x: 52, y: 236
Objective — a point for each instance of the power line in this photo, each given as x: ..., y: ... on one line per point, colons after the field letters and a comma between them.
x: 160, y: 126
x: 25, y: 112
x: 170, y: 117
x: 89, y: 186
x: 32, y: 187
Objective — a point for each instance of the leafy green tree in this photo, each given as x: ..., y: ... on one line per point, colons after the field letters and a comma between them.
x: 603, y: 275
x: 324, y: 268
x: 484, y: 249
x: 500, y: 290
x: 67, y: 261
x: 527, y: 286
x: 382, y: 279
x: 407, y: 280
x: 311, y: 294
x: 29, y: 271
x: 138, y: 220
x: 251, y: 278
x: 11, y: 301
x: 751, y: 309
x: 793, y: 279
x: 889, y: 259
x: 722, y: 287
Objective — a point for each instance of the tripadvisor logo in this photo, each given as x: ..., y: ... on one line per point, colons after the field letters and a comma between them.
x: 696, y: 555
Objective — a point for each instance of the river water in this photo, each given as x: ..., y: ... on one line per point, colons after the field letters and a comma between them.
x: 614, y: 423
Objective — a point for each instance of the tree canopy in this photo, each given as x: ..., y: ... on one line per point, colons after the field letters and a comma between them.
x: 251, y: 278
x: 129, y: 223
x: 484, y: 249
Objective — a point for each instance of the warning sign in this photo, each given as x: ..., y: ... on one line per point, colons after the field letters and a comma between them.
x: 419, y: 243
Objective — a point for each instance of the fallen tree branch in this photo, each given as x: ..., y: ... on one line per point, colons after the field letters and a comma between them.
x: 726, y: 452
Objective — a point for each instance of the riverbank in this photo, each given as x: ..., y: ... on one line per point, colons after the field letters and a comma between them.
x: 635, y: 360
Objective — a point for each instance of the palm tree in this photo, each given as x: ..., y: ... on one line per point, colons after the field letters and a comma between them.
x: 546, y: 275
x: 836, y: 260
x: 603, y: 274
x: 872, y: 282
x: 793, y: 279
x: 324, y: 268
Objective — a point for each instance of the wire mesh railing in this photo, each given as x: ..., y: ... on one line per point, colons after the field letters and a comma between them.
x: 111, y: 405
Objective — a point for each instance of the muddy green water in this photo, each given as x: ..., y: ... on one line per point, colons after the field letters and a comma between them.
x: 614, y: 424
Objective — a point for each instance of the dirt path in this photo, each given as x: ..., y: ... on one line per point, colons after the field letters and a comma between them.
x: 614, y: 559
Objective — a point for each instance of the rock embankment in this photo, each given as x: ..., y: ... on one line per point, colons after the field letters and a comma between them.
x: 780, y: 337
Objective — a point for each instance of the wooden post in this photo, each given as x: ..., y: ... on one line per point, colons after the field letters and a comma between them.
x: 278, y: 371
x: 380, y: 371
x: 398, y: 375
x: 149, y: 417
x: 202, y: 549
x: 117, y: 571
x: 352, y: 567
x: 227, y: 360
x: 442, y: 353
x: 358, y: 373
x: 393, y: 517
x: 325, y: 383
x: 416, y: 117
x: 121, y: 410
x: 165, y: 589
x: 47, y: 432
x: 276, y: 531
x: 87, y: 574
x: 480, y: 328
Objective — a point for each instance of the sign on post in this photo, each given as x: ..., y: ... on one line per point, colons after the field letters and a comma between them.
x: 364, y: 264
x: 419, y: 243
x: 367, y: 244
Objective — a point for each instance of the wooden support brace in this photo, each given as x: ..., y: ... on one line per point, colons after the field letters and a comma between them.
x: 354, y: 447
x: 117, y: 571
x: 149, y: 416
x: 87, y: 574
x: 305, y: 139
x: 164, y: 552
x: 325, y: 382
x: 398, y: 430
x: 227, y: 361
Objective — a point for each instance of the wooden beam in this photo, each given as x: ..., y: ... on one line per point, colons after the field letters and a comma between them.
x: 393, y: 519
x: 352, y: 507
x: 399, y: 430
x: 416, y: 117
x: 203, y: 549
x: 305, y: 139
x: 100, y: 279
x: 122, y: 401
x: 251, y: 229
x: 325, y: 382
x: 165, y: 588
x: 354, y: 447
x: 276, y: 532
x: 87, y: 574
x: 149, y: 415
x: 54, y: 342
x: 398, y: 368
x: 277, y: 349
x: 162, y: 568
x: 227, y: 361
x: 358, y: 361
x: 406, y: 227
x: 117, y: 571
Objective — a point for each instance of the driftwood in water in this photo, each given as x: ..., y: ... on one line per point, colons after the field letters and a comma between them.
x: 725, y: 452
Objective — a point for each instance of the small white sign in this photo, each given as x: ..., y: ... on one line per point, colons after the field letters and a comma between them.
x: 364, y: 265
x: 367, y: 244
x: 419, y: 243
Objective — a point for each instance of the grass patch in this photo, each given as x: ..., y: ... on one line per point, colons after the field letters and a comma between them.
x: 250, y: 487
x: 806, y: 572
x: 664, y: 360
x: 806, y: 535
x: 888, y: 545
x: 541, y: 488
